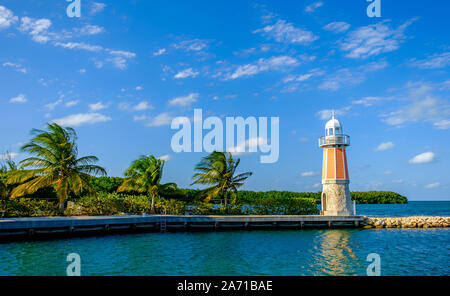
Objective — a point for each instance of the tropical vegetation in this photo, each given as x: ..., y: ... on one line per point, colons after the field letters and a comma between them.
x: 53, y: 175
x: 218, y: 170
x: 144, y: 176
x: 54, y: 162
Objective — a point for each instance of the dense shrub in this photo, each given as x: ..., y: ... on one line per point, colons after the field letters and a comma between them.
x: 115, y: 204
x: 253, y: 197
x: 283, y: 206
x: 264, y: 206
x: 105, y: 184
x: 25, y: 207
x: 378, y: 197
x: 366, y: 197
x: 211, y: 209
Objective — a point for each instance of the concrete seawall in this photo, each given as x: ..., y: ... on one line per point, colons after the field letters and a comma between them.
x: 408, y: 222
x: 11, y: 228
x: 20, y: 228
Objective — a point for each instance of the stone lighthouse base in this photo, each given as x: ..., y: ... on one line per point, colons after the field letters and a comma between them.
x: 336, y: 199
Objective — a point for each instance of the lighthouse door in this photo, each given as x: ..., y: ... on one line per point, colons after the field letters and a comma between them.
x: 324, y: 202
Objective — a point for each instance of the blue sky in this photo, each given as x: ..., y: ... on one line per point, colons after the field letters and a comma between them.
x: 122, y: 71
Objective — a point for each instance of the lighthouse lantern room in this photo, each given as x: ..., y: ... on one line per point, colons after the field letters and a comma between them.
x: 336, y: 199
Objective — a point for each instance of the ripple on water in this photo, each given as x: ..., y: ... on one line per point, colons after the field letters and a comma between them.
x: 301, y: 252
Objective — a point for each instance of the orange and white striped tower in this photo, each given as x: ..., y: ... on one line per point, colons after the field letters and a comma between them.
x: 336, y: 199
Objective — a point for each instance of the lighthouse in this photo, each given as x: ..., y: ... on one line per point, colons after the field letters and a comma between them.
x: 336, y: 199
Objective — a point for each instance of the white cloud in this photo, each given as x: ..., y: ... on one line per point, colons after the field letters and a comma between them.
x: 287, y: 33
x: 79, y: 45
x: 120, y: 58
x: 122, y: 53
x: 373, y: 40
x: 341, y: 77
x: 15, y: 66
x: 337, y: 27
x: 164, y: 157
x: 384, y: 146
x: 434, y: 62
x: 184, y: 100
x: 247, y: 146
x: 426, y: 157
x: 313, y: 6
x: 160, y: 120
x: 9, y: 155
x: 144, y: 105
x: 141, y: 106
x: 97, y: 106
x: 303, y: 77
x: 262, y: 65
x: 422, y: 106
x: 186, y: 74
x: 7, y: 18
x: 98, y: 64
x: 192, y: 45
x: 370, y: 101
x: 82, y: 71
x: 433, y: 185
x: 442, y: 124
x: 19, y: 99
x: 139, y: 87
x: 37, y: 28
x: 139, y: 118
x: 97, y: 8
x: 308, y: 174
x: 159, y: 52
x: 52, y: 106
x: 326, y: 114
x: 91, y: 30
x: 118, y: 62
x: 81, y: 119
x: 71, y: 103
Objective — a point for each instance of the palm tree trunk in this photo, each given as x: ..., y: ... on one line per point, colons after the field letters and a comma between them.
x: 225, y: 198
x: 62, y: 191
x: 153, y: 204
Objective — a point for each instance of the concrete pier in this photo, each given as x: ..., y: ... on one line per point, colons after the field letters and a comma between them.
x: 11, y: 228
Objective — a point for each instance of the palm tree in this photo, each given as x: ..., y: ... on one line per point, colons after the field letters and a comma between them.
x: 218, y: 169
x: 6, y: 168
x: 144, y: 176
x: 3, y: 188
x: 54, y: 163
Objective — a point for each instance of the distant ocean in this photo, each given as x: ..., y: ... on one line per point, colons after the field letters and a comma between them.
x: 287, y: 252
x: 413, y: 208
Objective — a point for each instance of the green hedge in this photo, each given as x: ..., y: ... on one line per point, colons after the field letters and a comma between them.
x: 366, y: 197
x: 265, y: 206
x: 25, y: 207
x: 110, y: 185
x: 378, y: 197
x: 115, y: 204
x: 106, y: 184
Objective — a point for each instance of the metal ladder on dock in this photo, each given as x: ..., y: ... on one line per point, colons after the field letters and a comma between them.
x: 163, y: 222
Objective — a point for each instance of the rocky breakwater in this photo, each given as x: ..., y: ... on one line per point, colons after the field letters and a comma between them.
x: 407, y: 222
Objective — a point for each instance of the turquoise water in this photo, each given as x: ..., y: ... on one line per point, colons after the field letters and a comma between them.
x: 296, y: 252
x: 413, y: 208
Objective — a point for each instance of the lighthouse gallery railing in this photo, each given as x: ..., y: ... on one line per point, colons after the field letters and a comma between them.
x: 334, y: 140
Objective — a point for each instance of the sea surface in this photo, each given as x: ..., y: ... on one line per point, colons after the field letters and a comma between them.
x: 285, y: 252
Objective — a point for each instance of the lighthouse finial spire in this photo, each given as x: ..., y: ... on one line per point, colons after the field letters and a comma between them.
x: 332, y: 113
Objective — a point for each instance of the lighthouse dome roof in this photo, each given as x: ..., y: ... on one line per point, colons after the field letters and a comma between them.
x: 333, y: 123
